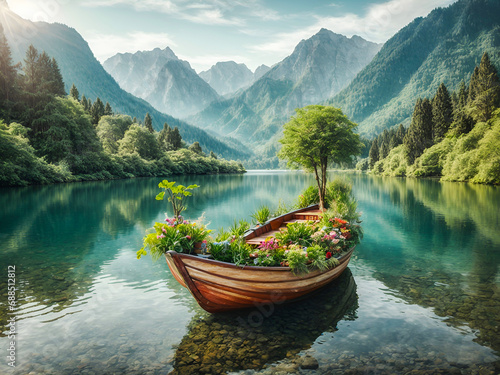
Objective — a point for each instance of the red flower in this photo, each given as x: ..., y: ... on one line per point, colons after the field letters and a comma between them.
x: 328, y: 255
x: 188, y: 237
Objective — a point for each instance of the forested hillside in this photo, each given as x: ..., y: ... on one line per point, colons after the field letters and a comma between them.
x: 453, y: 136
x: 443, y: 47
x: 46, y: 136
x: 79, y: 66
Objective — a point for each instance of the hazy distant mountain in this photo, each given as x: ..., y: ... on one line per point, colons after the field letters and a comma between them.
x: 79, y: 66
x: 137, y: 73
x: 260, y: 71
x: 159, y: 77
x: 318, y: 68
x: 442, y: 47
x: 228, y: 77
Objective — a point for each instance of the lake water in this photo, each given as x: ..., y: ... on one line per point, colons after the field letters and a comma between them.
x: 422, y: 291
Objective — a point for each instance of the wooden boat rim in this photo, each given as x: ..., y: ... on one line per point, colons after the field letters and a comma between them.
x: 246, y: 267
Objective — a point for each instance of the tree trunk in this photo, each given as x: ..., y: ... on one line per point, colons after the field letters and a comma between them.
x: 321, y: 195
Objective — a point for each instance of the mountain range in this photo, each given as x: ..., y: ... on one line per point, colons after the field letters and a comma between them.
x: 375, y: 85
x: 163, y: 80
x: 318, y: 68
x: 79, y: 66
x: 228, y: 77
x: 443, y: 47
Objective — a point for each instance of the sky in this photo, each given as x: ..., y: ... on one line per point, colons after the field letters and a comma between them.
x: 253, y: 32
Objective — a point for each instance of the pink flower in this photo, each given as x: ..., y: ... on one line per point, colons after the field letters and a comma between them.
x: 163, y: 230
x: 188, y: 237
x: 204, y: 241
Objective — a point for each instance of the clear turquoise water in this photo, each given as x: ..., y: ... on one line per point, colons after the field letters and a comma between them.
x: 422, y: 291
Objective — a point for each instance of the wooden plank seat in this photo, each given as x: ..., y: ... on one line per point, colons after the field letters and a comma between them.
x: 258, y: 235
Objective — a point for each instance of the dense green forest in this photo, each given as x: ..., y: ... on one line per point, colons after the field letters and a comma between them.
x: 442, y: 47
x: 453, y: 136
x: 47, y: 136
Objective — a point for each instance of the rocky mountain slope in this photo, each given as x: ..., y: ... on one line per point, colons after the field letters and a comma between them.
x: 442, y: 47
x: 159, y: 77
x: 318, y: 68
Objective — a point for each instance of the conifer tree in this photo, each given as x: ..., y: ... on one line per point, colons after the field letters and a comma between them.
x: 383, y: 150
x: 176, y: 139
x: 462, y: 122
x: 97, y: 111
x: 442, y: 113
x: 148, y: 123
x: 30, y: 69
x: 487, y: 89
x: 393, y: 142
x: 56, y: 83
x: 473, y: 86
x: 462, y: 97
x: 374, y: 153
x: 400, y: 134
x: 164, y: 138
x: 107, y: 110
x: 419, y: 134
x: 73, y: 92
x: 85, y: 104
x: 8, y: 71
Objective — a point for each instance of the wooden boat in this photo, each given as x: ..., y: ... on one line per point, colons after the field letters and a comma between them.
x: 220, y: 286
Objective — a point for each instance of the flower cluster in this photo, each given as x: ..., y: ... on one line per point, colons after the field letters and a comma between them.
x: 175, y: 234
x: 305, y: 246
x: 269, y: 244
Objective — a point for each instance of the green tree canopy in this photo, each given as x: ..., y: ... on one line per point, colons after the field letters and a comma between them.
x: 111, y: 129
x: 196, y: 148
x: 140, y: 140
x: 316, y: 136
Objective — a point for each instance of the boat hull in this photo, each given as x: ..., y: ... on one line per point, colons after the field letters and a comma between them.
x: 219, y: 286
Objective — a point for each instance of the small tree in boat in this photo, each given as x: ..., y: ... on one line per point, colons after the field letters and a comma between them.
x: 317, y: 136
x: 175, y: 195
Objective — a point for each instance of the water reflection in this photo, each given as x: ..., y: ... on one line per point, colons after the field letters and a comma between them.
x: 60, y: 236
x: 429, y: 249
x: 441, y: 247
x: 250, y: 339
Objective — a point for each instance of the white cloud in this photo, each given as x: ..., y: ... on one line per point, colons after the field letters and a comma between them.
x: 105, y: 46
x: 208, y: 12
x: 378, y: 24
